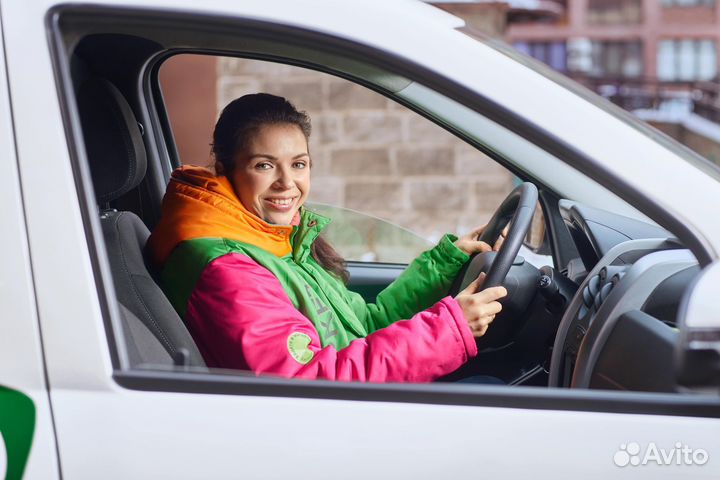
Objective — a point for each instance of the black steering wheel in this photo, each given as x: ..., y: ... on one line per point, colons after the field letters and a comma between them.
x: 518, y: 209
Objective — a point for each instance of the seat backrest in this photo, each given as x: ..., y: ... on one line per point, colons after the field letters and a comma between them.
x: 154, y: 331
x: 125, y: 237
x: 143, y: 348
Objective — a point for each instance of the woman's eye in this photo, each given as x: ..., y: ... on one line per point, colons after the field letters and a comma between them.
x: 263, y: 166
x: 300, y: 164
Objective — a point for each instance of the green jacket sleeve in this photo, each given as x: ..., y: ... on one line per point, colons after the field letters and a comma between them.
x: 425, y: 281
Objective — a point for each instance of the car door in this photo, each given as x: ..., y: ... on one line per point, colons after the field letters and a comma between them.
x: 113, y: 421
x: 27, y: 437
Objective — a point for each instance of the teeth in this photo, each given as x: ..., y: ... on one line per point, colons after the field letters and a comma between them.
x: 277, y: 201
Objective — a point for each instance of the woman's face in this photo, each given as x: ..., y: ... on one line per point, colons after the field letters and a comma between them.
x: 272, y: 173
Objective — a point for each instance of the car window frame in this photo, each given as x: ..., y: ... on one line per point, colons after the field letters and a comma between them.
x: 187, y: 380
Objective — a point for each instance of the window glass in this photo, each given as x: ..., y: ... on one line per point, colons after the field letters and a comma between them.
x: 688, y: 3
x: 687, y: 60
x: 616, y: 59
x: 707, y: 59
x: 360, y: 237
x: 666, y: 61
x: 614, y: 11
x: 553, y: 54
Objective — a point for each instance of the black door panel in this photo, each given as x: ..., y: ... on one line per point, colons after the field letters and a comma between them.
x: 368, y: 279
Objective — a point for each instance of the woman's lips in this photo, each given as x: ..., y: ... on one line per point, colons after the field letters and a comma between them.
x: 280, y: 204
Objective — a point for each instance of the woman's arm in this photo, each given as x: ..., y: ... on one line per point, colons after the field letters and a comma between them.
x: 241, y: 318
x: 425, y: 281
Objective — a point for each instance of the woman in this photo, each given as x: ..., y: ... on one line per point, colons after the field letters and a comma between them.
x: 242, y: 263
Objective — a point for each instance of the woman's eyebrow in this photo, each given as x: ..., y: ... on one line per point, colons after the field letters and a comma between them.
x: 262, y: 155
x: 267, y: 156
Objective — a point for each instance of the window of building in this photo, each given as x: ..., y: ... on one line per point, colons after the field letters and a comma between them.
x: 616, y: 59
x: 614, y: 11
x: 688, y: 3
x: 686, y: 60
x: 553, y: 54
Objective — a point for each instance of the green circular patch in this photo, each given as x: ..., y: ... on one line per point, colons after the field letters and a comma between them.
x: 297, y: 345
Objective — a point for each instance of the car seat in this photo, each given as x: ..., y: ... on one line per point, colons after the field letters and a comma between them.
x: 154, y: 332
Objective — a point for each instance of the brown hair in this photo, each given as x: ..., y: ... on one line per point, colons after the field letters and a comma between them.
x: 239, y: 120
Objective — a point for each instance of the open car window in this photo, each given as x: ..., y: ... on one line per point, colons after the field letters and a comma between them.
x: 376, y: 161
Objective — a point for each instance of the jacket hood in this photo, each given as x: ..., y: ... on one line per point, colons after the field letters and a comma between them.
x: 200, y: 204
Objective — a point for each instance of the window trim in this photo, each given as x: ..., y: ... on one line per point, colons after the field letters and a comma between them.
x: 438, y: 393
x: 518, y: 397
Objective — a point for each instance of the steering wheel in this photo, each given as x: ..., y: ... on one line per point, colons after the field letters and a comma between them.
x: 518, y: 209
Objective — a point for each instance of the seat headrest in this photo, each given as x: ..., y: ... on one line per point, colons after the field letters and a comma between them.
x: 113, y: 140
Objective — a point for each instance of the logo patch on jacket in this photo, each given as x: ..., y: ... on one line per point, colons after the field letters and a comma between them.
x: 297, y: 345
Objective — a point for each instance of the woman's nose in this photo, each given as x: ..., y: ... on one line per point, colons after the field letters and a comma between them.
x: 285, y: 179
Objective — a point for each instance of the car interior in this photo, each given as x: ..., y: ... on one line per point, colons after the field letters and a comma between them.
x: 604, y: 316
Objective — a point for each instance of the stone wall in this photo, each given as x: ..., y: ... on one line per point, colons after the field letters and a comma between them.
x: 372, y: 155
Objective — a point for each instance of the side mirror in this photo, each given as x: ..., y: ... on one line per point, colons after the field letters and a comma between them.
x: 697, y: 354
x: 536, y: 238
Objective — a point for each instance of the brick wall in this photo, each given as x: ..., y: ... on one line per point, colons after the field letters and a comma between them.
x: 377, y: 157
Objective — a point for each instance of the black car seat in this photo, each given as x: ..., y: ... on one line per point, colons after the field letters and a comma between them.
x: 154, y: 332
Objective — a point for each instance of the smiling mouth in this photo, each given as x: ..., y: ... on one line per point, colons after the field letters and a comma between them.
x: 281, y: 204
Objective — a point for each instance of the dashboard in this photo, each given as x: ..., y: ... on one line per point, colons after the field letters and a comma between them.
x: 618, y: 330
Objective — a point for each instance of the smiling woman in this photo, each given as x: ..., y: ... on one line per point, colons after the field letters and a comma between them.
x: 243, y: 263
x: 260, y: 143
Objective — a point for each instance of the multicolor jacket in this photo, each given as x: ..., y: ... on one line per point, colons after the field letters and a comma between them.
x: 254, y: 298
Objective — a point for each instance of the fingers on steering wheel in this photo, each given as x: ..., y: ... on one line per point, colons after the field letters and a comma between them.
x: 501, y: 238
x: 498, y: 244
x: 489, y: 295
x: 480, y: 331
x: 474, y: 286
x: 477, y: 231
x: 484, y: 321
x: 483, y: 247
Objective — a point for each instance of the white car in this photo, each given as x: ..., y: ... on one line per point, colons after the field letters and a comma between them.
x: 611, y: 356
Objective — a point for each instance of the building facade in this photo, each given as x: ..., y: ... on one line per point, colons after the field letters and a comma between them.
x: 654, y: 40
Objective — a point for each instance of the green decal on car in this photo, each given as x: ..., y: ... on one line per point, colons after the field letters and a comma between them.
x: 297, y: 344
x: 17, y: 425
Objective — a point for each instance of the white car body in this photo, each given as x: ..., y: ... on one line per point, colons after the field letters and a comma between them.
x: 54, y: 347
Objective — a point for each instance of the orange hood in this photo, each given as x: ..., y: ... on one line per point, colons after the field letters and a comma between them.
x: 199, y: 204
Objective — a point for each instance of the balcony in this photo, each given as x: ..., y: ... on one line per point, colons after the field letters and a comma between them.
x: 675, y: 98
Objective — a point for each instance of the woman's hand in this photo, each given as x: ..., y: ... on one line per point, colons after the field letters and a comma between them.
x: 480, y: 308
x: 470, y: 244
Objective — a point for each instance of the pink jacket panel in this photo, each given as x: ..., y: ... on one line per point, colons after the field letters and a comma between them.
x: 241, y: 318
